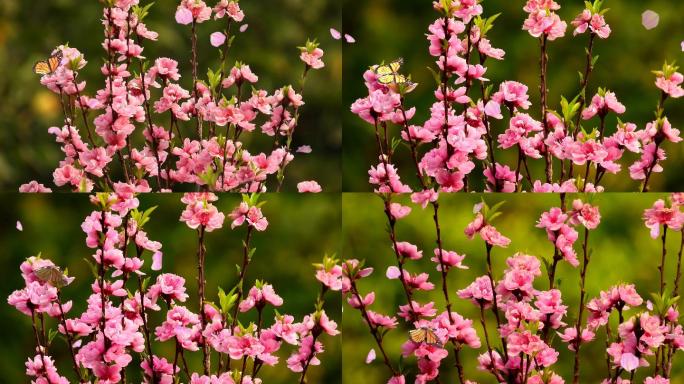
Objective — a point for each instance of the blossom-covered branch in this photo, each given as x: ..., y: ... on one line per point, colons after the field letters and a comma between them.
x: 465, y: 132
x: 532, y: 323
x: 116, y: 329
x: 162, y: 133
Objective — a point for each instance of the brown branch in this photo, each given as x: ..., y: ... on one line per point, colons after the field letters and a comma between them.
x: 373, y: 329
x: 201, y: 281
x: 578, y: 324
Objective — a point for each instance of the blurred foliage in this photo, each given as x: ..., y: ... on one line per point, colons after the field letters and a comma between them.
x: 623, y: 252
x: 29, y: 30
x: 294, y: 240
x: 387, y: 29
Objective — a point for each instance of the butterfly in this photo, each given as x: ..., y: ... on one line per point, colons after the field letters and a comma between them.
x: 389, y: 73
x: 49, y: 66
x: 337, y: 35
x: 53, y: 275
x: 424, y: 335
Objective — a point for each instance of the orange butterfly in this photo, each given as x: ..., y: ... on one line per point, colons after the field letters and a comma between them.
x: 49, y: 66
x: 424, y: 335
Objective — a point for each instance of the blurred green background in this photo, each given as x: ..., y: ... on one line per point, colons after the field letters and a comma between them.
x: 29, y: 30
x: 294, y: 240
x: 622, y: 252
x: 387, y: 29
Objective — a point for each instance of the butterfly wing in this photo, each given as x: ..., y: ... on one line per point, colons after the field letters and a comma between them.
x: 41, y: 68
x: 386, y: 79
x: 382, y: 70
x: 52, y: 275
x: 54, y: 62
x: 417, y: 335
x: 430, y: 337
x: 399, y: 79
x: 46, y: 67
x: 44, y: 273
x: 389, y: 73
x: 392, y: 78
x: 395, y: 66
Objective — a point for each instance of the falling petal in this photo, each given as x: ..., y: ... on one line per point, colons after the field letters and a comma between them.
x: 335, y: 33
x: 157, y: 261
x: 304, y: 149
x: 649, y: 19
x: 393, y: 273
x: 19, y: 226
x: 371, y: 356
x: 244, y: 27
x: 682, y: 45
x: 350, y: 39
x: 217, y: 39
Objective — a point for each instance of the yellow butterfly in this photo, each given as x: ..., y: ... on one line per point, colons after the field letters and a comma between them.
x: 389, y: 73
x: 53, y: 275
x: 424, y: 335
x: 49, y: 66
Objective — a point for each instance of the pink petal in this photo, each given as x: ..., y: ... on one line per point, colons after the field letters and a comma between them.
x: 477, y: 207
x: 682, y: 45
x: 217, y: 39
x: 393, y: 273
x: 183, y: 16
x: 650, y: 19
x: 335, y: 33
x: 157, y: 261
x: 350, y: 39
x: 244, y: 27
x: 629, y: 362
x: 371, y: 356
x: 655, y: 231
x: 19, y: 226
x: 493, y: 109
x: 304, y: 149
x: 309, y: 186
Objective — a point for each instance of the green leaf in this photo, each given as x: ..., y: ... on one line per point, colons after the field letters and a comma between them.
x: 142, y: 12
x: 488, y: 91
x: 145, y: 283
x: 51, y: 335
x: 489, y: 23
x: 92, y: 266
x: 496, y: 206
x: 493, y: 216
x: 435, y: 75
x: 209, y: 177
x: 395, y: 143
x: 227, y: 300
x: 214, y: 78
